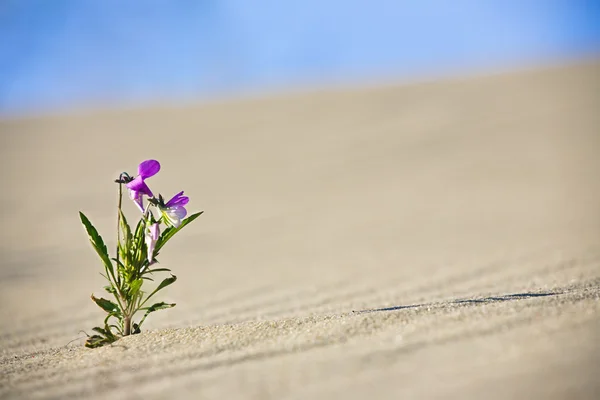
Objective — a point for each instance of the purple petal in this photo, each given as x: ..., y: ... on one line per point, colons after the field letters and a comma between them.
x: 155, y: 231
x: 139, y: 202
x: 133, y: 195
x: 178, y: 200
x: 174, y: 215
x: 180, y: 212
x: 138, y: 185
x: 137, y: 199
x: 148, y: 168
x: 150, y: 244
x: 151, y: 238
x: 150, y: 254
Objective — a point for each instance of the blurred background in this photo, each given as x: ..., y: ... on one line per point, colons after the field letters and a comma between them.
x: 56, y: 55
x: 429, y: 151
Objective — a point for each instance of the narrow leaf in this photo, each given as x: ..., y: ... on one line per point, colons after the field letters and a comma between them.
x: 97, y: 243
x: 171, y: 231
x: 105, y: 337
x: 138, y: 236
x: 158, y: 306
x: 155, y: 307
x: 100, y: 331
x: 109, y: 335
x: 110, y: 290
x: 139, y: 244
x: 125, y: 229
x: 125, y: 245
x: 95, y: 341
x: 120, y: 265
x: 110, y: 315
x: 151, y: 271
x: 166, y: 282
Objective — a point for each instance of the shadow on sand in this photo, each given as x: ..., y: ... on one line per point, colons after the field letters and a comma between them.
x: 491, y: 299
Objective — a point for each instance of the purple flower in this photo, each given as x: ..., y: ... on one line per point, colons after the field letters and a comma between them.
x: 174, y: 210
x: 152, y: 236
x: 137, y: 187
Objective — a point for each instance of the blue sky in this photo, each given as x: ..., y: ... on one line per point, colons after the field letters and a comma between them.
x: 67, y: 53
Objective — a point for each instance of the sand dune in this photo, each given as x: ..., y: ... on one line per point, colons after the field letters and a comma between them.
x: 412, y: 241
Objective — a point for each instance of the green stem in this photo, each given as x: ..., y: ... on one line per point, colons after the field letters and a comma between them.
x: 119, y: 295
x: 119, y: 203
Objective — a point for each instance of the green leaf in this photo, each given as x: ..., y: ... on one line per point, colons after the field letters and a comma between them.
x: 110, y: 289
x: 151, y: 271
x: 118, y: 316
x: 107, y: 305
x: 135, y: 287
x: 125, y: 229
x: 105, y: 337
x: 126, y: 241
x: 166, y: 282
x: 120, y: 266
x: 95, y: 341
x: 158, y: 306
x: 97, y: 243
x: 101, y: 331
x: 123, y: 254
x: 171, y: 231
x: 138, y: 248
x: 155, y: 307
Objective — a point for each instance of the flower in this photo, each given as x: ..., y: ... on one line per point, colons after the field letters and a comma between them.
x: 152, y: 235
x: 174, y: 211
x: 137, y: 187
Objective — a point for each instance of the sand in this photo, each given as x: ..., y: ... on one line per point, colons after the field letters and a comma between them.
x: 424, y: 240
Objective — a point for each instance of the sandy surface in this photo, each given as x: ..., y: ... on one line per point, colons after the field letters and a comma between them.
x: 437, y: 240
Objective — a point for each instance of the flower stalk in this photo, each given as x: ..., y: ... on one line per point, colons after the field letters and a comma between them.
x: 135, y: 256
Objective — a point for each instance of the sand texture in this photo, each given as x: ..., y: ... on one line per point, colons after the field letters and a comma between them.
x: 432, y: 240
